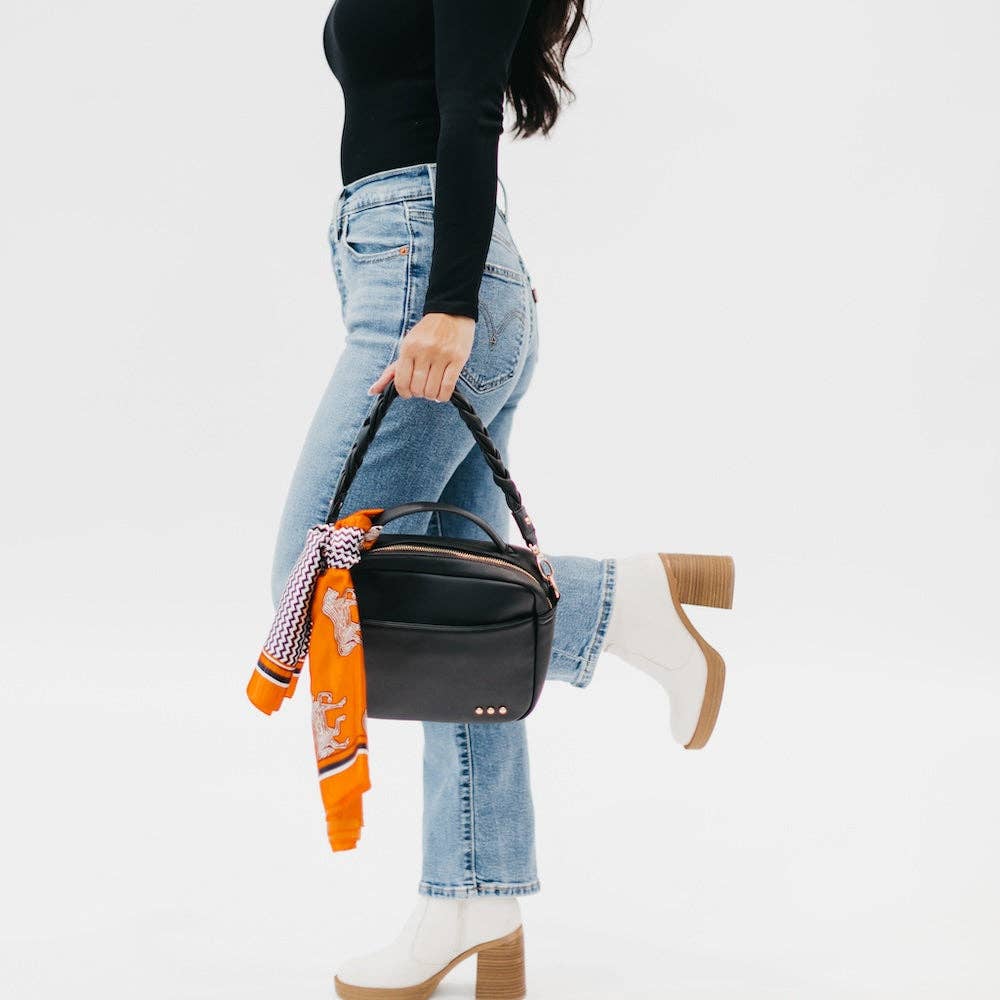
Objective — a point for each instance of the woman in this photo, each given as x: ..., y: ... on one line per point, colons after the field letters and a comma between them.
x: 435, y: 293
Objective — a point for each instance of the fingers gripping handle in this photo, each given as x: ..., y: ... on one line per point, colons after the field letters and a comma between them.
x: 489, y: 450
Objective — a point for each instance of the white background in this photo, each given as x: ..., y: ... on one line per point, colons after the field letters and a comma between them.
x: 765, y: 240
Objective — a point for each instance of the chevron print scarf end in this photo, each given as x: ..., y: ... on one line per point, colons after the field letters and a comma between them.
x: 318, y: 617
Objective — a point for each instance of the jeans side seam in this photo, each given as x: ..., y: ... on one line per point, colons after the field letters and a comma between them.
x: 471, y: 779
x: 465, y: 778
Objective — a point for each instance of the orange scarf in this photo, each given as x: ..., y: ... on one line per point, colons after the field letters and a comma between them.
x: 318, y: 615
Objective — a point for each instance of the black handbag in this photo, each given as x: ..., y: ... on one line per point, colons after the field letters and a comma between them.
x: 453, y: 629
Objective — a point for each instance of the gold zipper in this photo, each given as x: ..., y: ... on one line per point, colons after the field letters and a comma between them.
x: 460, y: 555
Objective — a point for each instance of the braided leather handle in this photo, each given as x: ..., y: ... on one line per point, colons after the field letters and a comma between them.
x: 490, y: 452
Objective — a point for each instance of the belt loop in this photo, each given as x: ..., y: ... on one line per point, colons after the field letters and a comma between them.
x: 432, y: 177
x: 338, y: 210
x: 503, y: 188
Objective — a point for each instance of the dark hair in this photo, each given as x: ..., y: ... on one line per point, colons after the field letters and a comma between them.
x: 537, y: 88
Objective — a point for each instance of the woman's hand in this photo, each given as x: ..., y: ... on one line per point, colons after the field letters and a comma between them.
x: 433, y: 353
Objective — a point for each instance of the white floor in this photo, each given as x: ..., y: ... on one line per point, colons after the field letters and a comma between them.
x: 836, y: 839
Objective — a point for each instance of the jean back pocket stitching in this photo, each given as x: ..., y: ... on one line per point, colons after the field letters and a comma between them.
x: 480, y: 383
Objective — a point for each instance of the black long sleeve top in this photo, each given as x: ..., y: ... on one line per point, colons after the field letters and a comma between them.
x: 423, y: 81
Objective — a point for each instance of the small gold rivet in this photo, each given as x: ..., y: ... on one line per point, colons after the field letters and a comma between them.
x: 503, y: 709
x: 479, y: 710
x: 490, y: 710
x: 404, y: 249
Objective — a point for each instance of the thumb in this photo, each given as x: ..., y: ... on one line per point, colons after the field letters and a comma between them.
x: 383, y: 380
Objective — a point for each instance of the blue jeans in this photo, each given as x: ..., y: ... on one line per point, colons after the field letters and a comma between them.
x: 478, y: 819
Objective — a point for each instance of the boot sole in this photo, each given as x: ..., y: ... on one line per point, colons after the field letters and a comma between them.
x: 499, y: 975
x: 717, y: 583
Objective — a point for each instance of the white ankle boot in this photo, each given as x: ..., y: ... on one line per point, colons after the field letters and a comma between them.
x: 649, y: 629
x: 439, y: 934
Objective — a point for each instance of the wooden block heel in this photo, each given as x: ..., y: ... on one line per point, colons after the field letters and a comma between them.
x: 717, y: 589
x: 704, y: 580
x: 500, y: 969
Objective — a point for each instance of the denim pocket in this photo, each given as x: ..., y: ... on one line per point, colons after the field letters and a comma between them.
x: 504, y: 315
x: 500, y: 330
x: 377, y: 233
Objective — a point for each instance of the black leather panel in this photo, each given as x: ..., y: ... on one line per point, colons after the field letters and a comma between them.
x: 394, y: 592
x: 471, y: 668
x: 524, y: 569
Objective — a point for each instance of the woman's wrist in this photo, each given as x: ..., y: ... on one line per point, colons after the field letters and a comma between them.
x: 452, y: 307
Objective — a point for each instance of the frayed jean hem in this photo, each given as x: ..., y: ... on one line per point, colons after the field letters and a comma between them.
x: 479, y: 889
